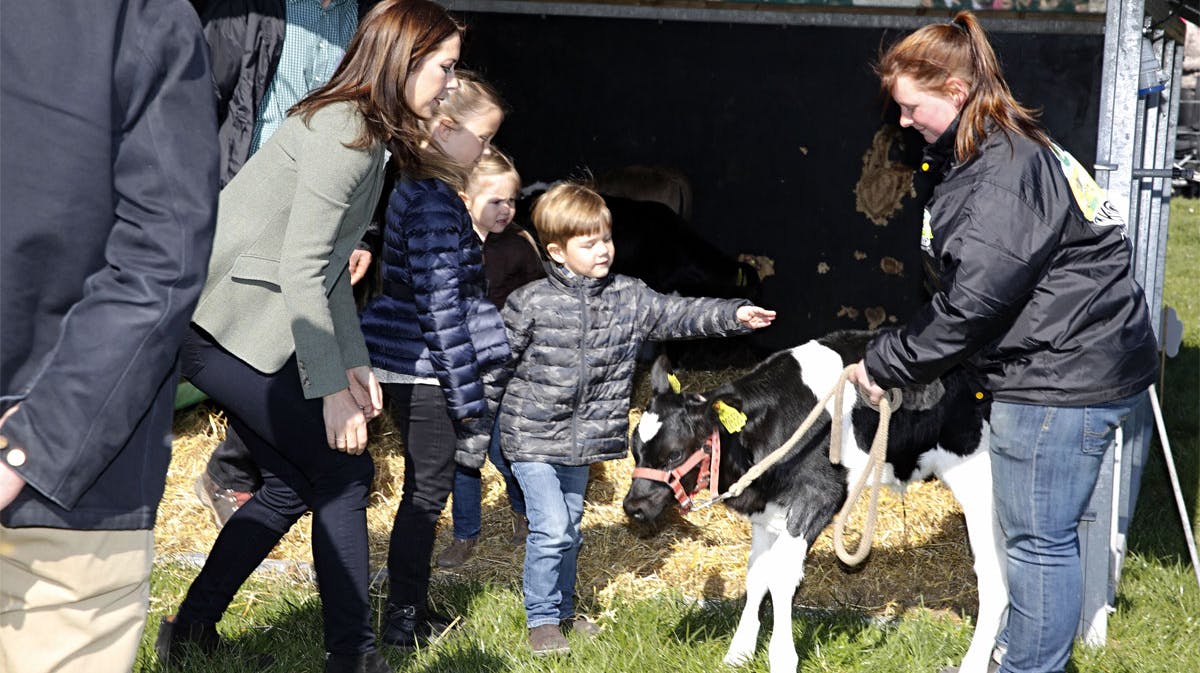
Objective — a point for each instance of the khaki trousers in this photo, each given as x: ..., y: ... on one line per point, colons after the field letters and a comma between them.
x: 72, y: 601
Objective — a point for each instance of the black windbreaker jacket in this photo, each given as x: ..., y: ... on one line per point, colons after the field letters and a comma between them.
x: 1032, y: 282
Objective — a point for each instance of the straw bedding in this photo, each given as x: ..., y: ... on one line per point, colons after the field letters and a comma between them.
x: 920, y: 558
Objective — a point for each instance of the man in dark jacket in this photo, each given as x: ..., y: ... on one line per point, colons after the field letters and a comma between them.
x: 246, y: 41
x: 109, y: 176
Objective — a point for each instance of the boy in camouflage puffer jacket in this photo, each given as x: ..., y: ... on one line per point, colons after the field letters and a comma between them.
x: 574, y: 337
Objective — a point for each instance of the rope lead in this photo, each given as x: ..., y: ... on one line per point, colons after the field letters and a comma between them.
x: 875, y: 462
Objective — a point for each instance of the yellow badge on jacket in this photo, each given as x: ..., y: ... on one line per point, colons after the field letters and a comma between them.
x: 1088, y: 195
x: 927, y: 233
x: 1091, y: 198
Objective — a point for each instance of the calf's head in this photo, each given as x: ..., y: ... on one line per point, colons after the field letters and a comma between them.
x: 669, y: 445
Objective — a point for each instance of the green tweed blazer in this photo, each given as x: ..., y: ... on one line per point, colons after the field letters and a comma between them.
x: 286, y: 224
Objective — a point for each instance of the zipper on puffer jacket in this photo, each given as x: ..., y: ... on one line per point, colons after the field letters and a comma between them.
x: 581, y: 291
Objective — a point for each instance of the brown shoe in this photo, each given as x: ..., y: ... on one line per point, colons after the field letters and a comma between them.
x: 456, y: 553
x: 520, y: 529
x: 547, y: 639
x: 581, y: 625
x: 221, y: 502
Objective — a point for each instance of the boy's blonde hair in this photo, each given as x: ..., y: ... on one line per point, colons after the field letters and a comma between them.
x: 472, y: 98
x: 567, y: 210
x: 493, y: 164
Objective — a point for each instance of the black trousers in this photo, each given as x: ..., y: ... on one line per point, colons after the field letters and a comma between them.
x: 231, y: 465
x: 285, y: 434
x: 428, y: 436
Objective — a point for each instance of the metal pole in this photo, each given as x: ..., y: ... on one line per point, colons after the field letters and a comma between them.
x: 1153, y: 178
x: 783, y: 14
x: 1169, y: 459
x: 1118, y: 97
x: 1117, y: 145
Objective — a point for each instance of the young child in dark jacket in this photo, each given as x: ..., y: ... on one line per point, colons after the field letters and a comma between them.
x: 574, y: 337
x: 436, y: 342
x: 510, y: 260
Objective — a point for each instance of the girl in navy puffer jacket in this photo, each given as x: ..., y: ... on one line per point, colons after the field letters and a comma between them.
x: 435, y: 340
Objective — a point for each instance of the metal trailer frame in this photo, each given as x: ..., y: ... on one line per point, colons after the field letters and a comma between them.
x: 1135, y: 153
x: 1135, y: 150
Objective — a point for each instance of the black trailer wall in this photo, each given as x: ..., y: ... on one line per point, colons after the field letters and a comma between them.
x: 769, y: 122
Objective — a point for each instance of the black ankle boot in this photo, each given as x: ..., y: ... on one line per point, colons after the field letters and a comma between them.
x: 407, y: 626
x: 367, y: 662
x: 175, y: 637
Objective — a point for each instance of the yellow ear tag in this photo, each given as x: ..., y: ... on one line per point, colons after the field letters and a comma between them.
x: 731, y: 418
x: 675, y: 387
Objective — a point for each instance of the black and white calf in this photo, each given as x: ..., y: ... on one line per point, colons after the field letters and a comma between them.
x: 941, y: 430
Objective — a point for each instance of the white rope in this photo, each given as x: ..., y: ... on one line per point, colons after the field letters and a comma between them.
x: 875, y: 461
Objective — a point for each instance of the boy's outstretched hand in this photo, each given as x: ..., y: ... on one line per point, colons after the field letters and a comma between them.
x: 755, y: 317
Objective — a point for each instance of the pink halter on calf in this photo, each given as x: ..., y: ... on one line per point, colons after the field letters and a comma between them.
x: 708, y: 457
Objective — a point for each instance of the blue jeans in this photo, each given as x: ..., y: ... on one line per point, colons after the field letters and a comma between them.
x: 1045, y: 463
x: 467, y: 502
x: 554, y: 505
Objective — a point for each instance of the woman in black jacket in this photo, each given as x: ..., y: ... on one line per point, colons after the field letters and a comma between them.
x: 1033, y: 287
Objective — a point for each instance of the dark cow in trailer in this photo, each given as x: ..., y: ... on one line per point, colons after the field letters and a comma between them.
x: 940, y: 430
x: 658, y: 246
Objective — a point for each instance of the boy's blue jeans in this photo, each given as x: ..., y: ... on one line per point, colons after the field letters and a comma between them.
x: 1045, y: 463
x: 554, y: 505
x: 468, y: 491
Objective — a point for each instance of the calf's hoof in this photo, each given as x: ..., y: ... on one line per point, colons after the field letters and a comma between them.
x: 737, y: 657
x: 992, y: 667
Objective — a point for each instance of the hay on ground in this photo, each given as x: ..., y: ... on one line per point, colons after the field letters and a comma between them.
x: 920, y: 558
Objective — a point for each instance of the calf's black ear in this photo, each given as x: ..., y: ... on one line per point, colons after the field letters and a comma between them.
x: 660, y: 373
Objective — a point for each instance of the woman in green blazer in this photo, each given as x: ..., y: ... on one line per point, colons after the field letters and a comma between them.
x: 276, y: 340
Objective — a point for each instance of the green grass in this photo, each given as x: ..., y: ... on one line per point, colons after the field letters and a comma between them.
x: 1155, y: 629
x: 667, y: 633
x: 1156, y: 530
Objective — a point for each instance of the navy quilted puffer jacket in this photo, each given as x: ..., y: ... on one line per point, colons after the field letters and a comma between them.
x: 434, y: 317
